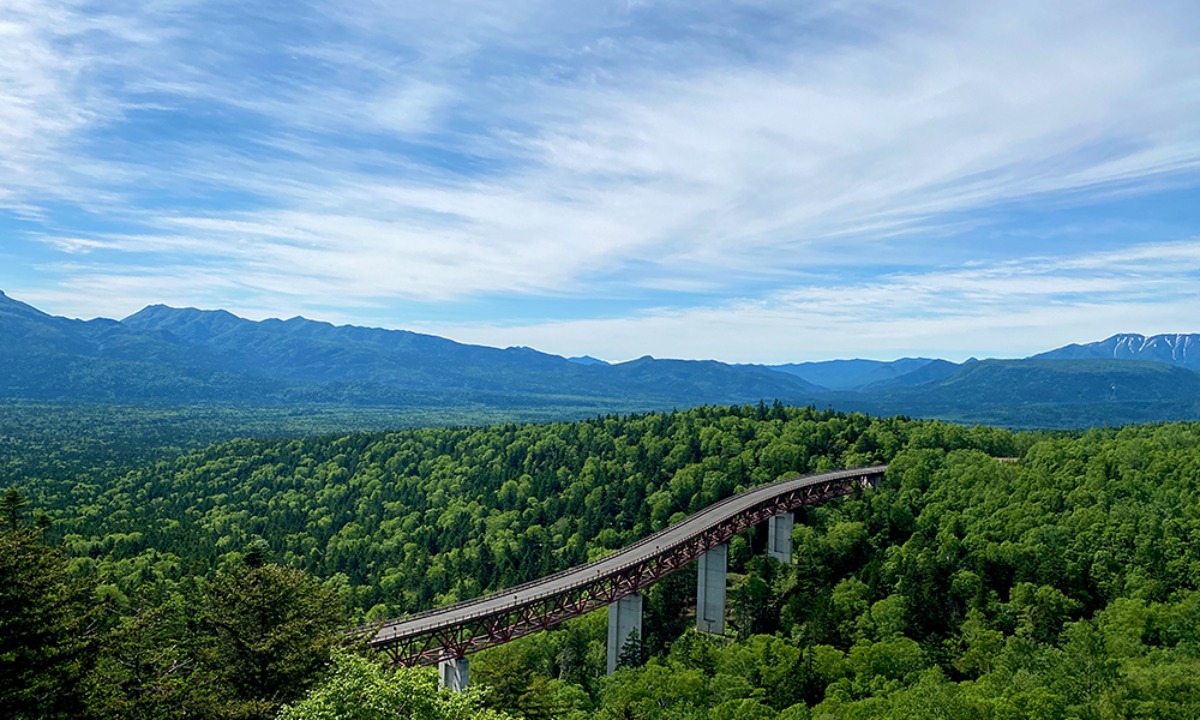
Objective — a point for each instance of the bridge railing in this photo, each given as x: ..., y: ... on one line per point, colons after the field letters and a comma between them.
x: 632, y: 547
x: 596, y: 573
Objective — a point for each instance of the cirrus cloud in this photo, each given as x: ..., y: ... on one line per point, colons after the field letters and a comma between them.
x: 697, y: 162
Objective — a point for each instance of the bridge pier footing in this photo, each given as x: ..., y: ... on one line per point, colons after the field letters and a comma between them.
x: 710, y: 590
x: 453, y: 674
x: 779, y: 537
x: 624, y: 618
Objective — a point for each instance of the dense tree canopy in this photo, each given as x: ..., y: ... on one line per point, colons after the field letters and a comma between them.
x: 406, y: 520
x: 992, y: 575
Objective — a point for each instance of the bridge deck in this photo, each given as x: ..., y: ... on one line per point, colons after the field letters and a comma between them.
x: 536, y: 593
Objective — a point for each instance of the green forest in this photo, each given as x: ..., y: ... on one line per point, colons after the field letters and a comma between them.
x: 992, y: 575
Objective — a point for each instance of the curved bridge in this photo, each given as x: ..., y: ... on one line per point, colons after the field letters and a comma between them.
x: 454, y: 631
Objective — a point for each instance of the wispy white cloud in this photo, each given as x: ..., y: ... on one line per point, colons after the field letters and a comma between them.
x: 39, y: 93
x: 1005, y: 309
x: 348, y: 155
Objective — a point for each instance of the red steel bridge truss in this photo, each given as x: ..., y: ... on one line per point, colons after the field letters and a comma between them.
x: 456, y: 630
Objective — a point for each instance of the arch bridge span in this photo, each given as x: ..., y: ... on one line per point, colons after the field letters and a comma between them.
x: 454, y: 631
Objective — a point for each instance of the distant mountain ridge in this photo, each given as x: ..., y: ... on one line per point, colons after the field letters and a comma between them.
x: 1181, y: 349
x: 1046, y: 393
x: 313, y: 351
x: 171, y: 355
x: 928, y: 372
x: 851, y: 374
x: 1050, y: 381
x: 186, y: 356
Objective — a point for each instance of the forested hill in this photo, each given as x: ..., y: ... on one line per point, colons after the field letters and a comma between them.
x: 992, y: 575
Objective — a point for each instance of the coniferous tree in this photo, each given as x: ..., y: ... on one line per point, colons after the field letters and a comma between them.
x: 271, y: 631
x: 46, y: 630
x: 146, y: 668
x: 12, y: 508
x: 631, y: 654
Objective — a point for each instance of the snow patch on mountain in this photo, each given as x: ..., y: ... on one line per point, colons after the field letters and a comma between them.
x: 1182, y: 349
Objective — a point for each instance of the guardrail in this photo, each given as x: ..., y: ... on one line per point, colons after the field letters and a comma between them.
x: 452, y: 631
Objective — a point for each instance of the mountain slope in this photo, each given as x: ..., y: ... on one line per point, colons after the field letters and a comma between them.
x: 52, y: 358
x: 311, y: 351
x: 1178, y: 349
x: 165, y: 355
x: 1047, y: 393
x: 1033, y: 381
x: 931, y: 371
x: 713, y: 379
x: 186, y: 357
x: 301, y: 349
x: 851, y: 374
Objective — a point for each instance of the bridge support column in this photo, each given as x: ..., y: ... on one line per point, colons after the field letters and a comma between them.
x: 452, y: 674
x: 710, y: 591
x: 779, y: 537
x: 624, y: 618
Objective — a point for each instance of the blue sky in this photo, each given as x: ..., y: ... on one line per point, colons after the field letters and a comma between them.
x: 750, y: 181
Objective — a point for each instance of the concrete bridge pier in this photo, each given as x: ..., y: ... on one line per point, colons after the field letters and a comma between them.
x: 710, y: 590
x: 624, y: 617
x: 453, y: 674
x: 779, y: 537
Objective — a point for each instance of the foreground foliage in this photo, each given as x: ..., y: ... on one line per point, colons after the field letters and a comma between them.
x: 236, y: 646
x: 359, y: 689
x: 45, y: 628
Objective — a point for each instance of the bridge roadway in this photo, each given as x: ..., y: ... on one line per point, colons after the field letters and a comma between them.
x: 452, y: 631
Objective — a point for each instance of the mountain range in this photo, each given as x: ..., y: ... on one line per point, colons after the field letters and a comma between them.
x: 170, y: 355
x: 175, y: 356
x: 1181, y: 350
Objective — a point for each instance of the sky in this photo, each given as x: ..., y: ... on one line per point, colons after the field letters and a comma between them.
x: 749, y: 181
